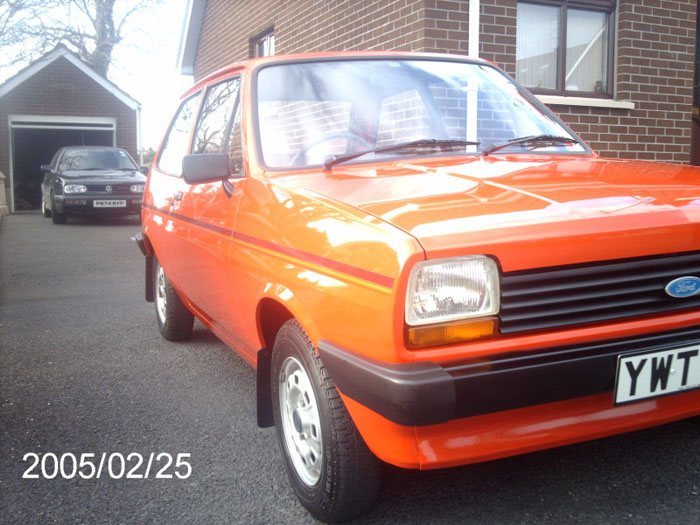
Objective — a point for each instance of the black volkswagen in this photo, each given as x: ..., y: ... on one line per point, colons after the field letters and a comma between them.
x: 91, y: 180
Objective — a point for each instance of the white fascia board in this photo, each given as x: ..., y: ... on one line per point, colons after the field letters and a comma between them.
x: 61, y: 122
x: 189, y: 37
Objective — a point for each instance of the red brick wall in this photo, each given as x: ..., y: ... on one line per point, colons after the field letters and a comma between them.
x: 61, y: 89
x: 497, y: 33
x: 654, y: 58
x: 654, y: 70
x: 656, y: 46
x: 307, y: 26
x: 446, y: 26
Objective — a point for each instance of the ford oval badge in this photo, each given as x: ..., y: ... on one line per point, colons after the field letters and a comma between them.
x: 683, y: 286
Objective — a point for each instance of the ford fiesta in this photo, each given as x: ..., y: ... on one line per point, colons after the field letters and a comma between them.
x: 425, y: 266
x: 90, y: 180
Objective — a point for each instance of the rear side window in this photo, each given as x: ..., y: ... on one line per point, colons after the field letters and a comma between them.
x: 175, y: 145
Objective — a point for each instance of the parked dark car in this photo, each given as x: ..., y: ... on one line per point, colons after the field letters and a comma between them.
x: 85, y: 180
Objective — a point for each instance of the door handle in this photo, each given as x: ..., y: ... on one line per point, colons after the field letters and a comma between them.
x: 177, y: 196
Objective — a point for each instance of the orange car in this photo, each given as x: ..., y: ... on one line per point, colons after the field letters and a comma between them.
x: 425, y: 266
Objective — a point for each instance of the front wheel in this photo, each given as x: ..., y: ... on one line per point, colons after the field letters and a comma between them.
x: 175, y: 321
x: 333, y: 473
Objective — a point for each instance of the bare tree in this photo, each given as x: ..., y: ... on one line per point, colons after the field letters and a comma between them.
x: 91, y: 28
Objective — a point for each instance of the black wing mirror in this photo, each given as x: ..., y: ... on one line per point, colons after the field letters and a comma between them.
x: 45, y: 168
x: 201, y: 168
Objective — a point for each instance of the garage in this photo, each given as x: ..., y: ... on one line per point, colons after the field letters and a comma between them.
x: 35, y: 140
x: 57, y: 101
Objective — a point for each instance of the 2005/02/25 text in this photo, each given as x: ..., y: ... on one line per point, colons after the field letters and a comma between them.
x: 115, y: 465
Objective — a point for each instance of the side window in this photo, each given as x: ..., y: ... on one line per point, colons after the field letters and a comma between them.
x: 54, y: 160
x: 175, y: 145
x: 215, y: 122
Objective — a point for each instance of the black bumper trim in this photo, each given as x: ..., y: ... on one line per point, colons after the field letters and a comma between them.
x: 409, y: 394
x: 425, y: 393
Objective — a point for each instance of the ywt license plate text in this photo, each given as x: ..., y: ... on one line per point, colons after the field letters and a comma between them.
x: 654, y: 374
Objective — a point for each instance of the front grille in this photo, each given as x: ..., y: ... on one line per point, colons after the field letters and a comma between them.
x: 116, y: 188
x: 589, y: 293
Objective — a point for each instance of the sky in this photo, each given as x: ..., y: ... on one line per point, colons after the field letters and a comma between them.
x: 144, y: 65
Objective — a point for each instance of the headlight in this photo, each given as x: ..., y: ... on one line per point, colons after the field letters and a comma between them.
x: 74, y: 188
x: 449, y: 289
x: 137, y: 188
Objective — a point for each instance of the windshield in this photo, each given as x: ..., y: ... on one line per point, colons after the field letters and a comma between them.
x: 310, y: 112
x: 96, y: 159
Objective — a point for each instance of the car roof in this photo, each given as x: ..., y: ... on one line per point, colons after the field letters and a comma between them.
x: 92, y: 147
x: 255, y: 63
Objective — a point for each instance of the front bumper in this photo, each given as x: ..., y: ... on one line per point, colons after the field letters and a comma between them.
x: 85, y: 203
x: 426, y: 393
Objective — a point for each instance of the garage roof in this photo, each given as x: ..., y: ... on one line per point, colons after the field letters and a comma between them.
x: 58, y: 52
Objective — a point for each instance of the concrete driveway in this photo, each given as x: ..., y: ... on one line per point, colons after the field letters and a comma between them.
x: 84, y: 371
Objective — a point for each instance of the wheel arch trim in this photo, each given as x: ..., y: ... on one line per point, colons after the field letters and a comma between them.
x: 276, y: 306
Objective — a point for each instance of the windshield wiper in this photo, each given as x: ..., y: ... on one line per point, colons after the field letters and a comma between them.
x: 443, y: 144
x: 537, y: 141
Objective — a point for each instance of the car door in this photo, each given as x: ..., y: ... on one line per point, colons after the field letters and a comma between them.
x: 210, y: 208
x: 165, y: 188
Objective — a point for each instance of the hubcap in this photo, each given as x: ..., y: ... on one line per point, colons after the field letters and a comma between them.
x: 301, y: 424
x: 161, y: 300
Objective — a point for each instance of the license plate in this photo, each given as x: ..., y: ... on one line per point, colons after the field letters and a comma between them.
x: 109, y: 204
x: 654, y: 374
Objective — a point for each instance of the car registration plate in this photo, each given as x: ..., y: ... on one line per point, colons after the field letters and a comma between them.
x: 654, y: 374
x: 116, y: 203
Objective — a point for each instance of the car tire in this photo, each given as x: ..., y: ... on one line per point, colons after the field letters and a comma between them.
x: 44, y: 210
x: 333, y: 472
x: 57, y: 218
x: 175, y: 321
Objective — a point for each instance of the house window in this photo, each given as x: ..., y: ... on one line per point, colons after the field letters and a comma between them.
x: 566, y: 46
x: 263, y: 45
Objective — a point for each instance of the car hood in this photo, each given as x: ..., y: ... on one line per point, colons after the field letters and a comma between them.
x: 508, y: 205
x: 103, y: 176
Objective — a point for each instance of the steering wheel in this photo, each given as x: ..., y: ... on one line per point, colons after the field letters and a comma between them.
x: 325, y: 138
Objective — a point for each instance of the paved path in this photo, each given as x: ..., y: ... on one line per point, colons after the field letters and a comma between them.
x: 84, y: 370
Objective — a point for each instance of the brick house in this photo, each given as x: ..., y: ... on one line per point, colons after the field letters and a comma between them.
x: 618, y: 72
x: 56, y: 101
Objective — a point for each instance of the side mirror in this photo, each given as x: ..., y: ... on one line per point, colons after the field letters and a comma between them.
x: 144, y: 170
x: 201, y: 168
x: 45, y: 168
